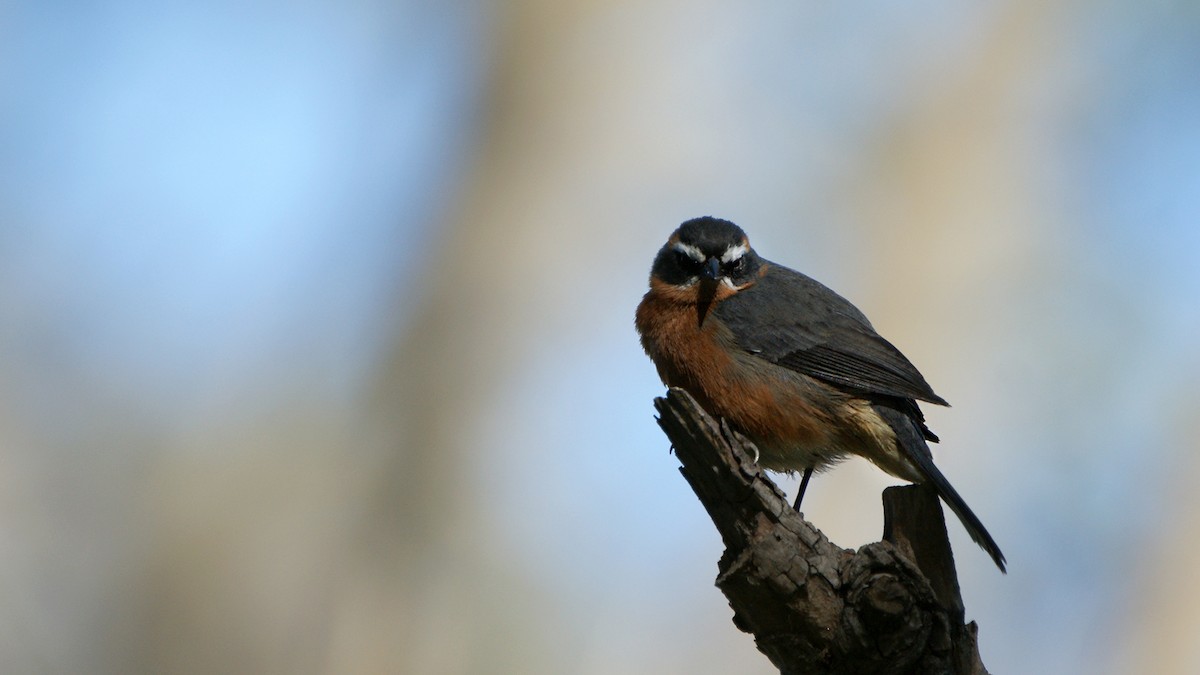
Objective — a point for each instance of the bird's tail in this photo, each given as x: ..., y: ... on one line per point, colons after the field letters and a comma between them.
x: 912, y: 443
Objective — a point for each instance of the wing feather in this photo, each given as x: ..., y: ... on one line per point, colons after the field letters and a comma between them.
x: 800, y: 324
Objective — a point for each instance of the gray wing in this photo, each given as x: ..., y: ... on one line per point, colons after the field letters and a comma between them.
x: 798, y: 323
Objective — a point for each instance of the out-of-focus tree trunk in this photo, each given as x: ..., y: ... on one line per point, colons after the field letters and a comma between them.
x: 427, y: 595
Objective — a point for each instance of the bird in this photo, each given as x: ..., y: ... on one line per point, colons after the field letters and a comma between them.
x: 789, y: 363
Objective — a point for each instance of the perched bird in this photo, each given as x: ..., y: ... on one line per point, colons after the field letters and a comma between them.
x: 789, y: 363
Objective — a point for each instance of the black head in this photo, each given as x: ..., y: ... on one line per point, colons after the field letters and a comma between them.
x: 708, y: 250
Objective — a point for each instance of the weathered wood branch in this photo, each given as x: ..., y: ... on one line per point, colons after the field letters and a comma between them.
x: 892, y: 607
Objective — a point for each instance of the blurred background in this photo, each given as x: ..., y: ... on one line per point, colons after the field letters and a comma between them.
x: 316, y: 320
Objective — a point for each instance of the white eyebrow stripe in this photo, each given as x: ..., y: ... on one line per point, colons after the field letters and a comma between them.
x: 690, y: 251
x: 734, y: 252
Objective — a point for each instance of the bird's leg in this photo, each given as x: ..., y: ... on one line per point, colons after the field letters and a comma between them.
x: 735, y: 436
x: 803, y: 486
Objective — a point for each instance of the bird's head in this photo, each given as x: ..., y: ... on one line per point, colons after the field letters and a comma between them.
x: 706, y: 258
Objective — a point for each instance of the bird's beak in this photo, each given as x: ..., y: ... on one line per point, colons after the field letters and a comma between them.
x: 712, y: 269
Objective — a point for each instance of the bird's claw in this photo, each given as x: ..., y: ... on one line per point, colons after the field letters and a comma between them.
x: 733, y: 435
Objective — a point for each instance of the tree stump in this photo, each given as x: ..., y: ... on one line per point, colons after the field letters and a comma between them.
x: 892, y: 607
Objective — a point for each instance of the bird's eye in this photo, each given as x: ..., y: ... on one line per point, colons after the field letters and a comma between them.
x: 687, y: 262
x: 734, y: 267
